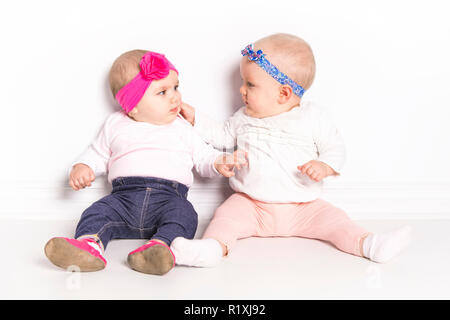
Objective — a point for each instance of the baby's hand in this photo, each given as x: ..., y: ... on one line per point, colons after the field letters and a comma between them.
x: 81, y: 176
x: 226, y: 162
x: 188, y: 113
x: 316, y: 170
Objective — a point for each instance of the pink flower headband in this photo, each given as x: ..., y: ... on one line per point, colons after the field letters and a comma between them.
x: 154, y: 66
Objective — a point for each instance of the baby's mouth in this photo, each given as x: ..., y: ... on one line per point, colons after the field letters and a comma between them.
x: 174, y: 110
x: 244, y: 99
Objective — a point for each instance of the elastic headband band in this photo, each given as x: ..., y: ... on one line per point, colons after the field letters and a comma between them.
x: 273, y: 71
x: 154, y: 66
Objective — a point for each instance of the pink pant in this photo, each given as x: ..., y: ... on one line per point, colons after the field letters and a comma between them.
x: 242, y: 217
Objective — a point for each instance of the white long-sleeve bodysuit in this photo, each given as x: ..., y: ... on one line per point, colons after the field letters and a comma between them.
x: 125, y: 148
x: 276, y: 146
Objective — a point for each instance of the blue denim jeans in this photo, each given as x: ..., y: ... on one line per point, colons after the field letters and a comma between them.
x: 140, y: 208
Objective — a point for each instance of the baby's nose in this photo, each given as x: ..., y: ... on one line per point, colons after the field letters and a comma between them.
x: 242, y: 90
x: 176, y: 98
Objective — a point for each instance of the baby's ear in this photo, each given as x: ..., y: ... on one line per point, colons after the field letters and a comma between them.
x: 285, y: 93
x: 133, y: 112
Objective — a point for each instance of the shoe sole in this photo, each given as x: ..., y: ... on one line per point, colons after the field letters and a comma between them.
x: 155, y: 260
x: 63, y: 254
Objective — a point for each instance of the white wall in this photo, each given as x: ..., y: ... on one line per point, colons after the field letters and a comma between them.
x: 382, y: 70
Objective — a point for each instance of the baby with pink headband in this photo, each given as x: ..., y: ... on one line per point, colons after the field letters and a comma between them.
x: 148, y: 151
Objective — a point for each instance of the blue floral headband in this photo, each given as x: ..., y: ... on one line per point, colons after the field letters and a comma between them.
x: 259, y: 58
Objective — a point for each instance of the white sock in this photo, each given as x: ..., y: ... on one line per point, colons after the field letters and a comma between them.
x: 383, y: 247
x: 196, y: 253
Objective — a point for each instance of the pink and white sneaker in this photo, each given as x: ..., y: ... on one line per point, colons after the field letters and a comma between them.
x: 153, y: 257
x: 85, y: 253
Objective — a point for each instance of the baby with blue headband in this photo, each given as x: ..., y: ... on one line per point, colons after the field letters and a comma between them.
x: 291, y: 146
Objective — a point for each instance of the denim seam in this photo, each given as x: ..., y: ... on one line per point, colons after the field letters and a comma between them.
x: 110, y: 224
x: 142, y: 230
x: 144, y: 208
x: 176, y: 189
x: 118, y: 224
x: 138, y: 228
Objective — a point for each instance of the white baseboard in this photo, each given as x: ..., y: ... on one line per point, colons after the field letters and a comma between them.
x: 47, y: 200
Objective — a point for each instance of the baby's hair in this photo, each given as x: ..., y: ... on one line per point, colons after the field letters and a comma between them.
x: 292, y: 55
x: 124, y: 69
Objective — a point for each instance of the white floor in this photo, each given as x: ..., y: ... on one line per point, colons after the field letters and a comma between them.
x: 269, y: 268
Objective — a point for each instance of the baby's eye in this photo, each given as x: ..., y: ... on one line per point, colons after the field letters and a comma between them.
x: 176, y: 87
x: 162, y: 93
x: 249, y: 84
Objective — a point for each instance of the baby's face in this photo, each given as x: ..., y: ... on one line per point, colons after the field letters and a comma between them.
x: 259, y: 90
x: 161, y: 101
